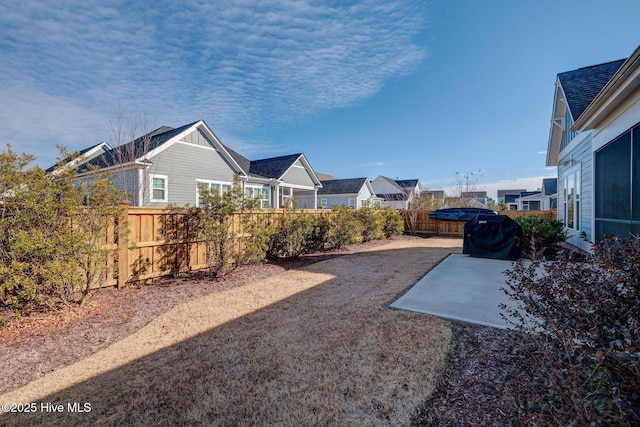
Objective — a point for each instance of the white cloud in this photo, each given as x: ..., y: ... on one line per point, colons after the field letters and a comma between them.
x: 242, y: 65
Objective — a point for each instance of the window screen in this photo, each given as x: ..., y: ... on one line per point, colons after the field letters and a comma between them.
x: 613, y: 179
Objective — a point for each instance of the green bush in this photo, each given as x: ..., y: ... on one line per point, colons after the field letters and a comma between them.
x: 372, y: 223
x: 542, y: 236
x: 53, y: 231
x: 293, y: 236
x: 582, y: 335
x: 345, y: 228
x: 393, y: 222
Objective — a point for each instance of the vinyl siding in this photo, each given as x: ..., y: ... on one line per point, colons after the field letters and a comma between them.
x: 298, y: 175
x: 127, y: 181
x: 583, y: 156
x: 184, y: 163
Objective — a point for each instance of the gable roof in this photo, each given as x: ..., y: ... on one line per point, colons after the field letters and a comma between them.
x: 389, y: 181
x: 79, y: 156
x: 241, y: 160
x: 138, y: 148
x: 581, y: 86
x: 342, y: 186
x: 619, y: 87
x: 273, y: 167
x: 504, y: 193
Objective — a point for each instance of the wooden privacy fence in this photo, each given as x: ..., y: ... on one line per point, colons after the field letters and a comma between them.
x: 162, y: 242
x: 438, y: 227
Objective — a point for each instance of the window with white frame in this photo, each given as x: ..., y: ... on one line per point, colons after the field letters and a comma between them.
x: 260, y: 193
x: 572, y: 199
x: 323, y: 203
x: 351, y: 203
x: 158, y: 191
x: 214, y: 187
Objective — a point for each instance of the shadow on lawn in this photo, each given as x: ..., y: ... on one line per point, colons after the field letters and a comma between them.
x: 330, y: 354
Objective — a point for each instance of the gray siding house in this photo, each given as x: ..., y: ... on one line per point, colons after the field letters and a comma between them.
x: 594, y: 141
x: 169, y: 166
x: 354, y: 193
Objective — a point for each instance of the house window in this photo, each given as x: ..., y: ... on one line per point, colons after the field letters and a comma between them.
x: 323, y: 203
x: 572, y: 200
x: 159, y: 191
x: 617, y: 186
x: 214, y: 187
x: 259, y: 193
x: 352, y: 203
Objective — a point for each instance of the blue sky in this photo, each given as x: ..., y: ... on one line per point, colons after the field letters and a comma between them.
x: 409, y: 89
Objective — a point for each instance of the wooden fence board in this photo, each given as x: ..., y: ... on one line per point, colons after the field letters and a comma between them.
x: 437, y: 227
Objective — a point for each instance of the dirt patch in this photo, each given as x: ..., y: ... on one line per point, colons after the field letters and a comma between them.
x: 306, y: 346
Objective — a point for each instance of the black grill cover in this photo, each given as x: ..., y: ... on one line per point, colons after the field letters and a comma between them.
x: 493, y: 236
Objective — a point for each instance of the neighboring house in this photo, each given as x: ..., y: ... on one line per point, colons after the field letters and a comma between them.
x: 595, y: 143
x: 397, y: 194
x: 478, y: 198
x: 529, y: 201
x: 438, y: 196
x: 169, y: 166
x: 354, y: 193
x: 508, y: 197
x: 549, y: 195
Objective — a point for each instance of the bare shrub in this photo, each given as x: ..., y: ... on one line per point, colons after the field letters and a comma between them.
x: 583, y: 335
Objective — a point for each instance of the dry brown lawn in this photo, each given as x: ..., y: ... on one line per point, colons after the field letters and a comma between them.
x: 316, y: 345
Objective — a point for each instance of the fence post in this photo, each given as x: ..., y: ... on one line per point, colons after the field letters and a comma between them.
x: 123, y: 247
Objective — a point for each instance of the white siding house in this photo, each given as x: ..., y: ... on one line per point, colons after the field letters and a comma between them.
x: 595, y: 143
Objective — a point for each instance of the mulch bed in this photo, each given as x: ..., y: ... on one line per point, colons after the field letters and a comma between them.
x: 484, y: 383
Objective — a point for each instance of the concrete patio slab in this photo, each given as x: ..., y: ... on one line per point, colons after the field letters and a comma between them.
x: 461, y: 288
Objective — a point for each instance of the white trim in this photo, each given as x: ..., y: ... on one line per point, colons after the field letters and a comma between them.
x: 579, y: 139
x: 198, y: 145
x: 82, y: 158
x: 307, y: 167
x: 296, y: 186
x: 166, y: 188
x: 140, y: 201
x: 200, y: 124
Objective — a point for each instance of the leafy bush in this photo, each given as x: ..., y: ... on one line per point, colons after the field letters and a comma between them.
x: 53, y: 231
x: 216, y: 216
x: 582, y: 336
x: 542, y: 236
x: 292, y: 236
x: 372, y: 223
x: 392, y: 222
x: 345, y: 228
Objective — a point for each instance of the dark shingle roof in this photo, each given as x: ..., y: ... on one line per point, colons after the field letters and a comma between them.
x: 393, y: 197
x: 273, y: 167
x: 529, y: 193
x: 407, y: 183
x: 137, y: 148
x: 72, y: 157
x: 342, y: 186
x: 510, y: 198
x: 239, y: 158
x: 550, y: 186
x: 581, y: 86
